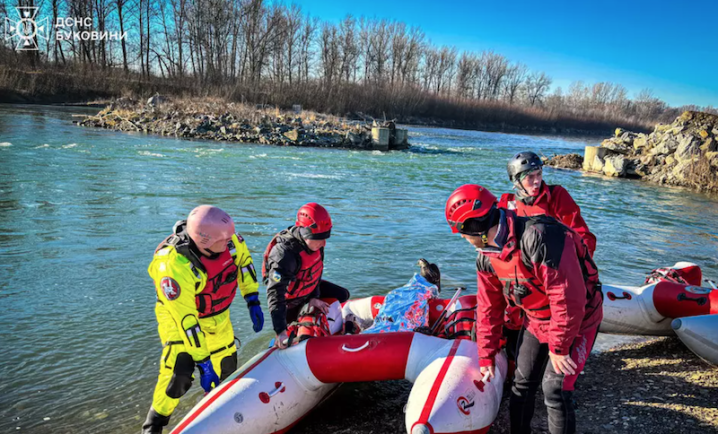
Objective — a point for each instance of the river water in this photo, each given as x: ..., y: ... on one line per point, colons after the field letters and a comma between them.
x: 81, y: 211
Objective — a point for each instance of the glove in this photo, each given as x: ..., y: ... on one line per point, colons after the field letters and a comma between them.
x: 255, y: 312
x: 208, y: 378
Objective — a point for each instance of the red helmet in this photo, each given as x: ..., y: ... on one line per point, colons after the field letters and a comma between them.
x: 315, y: 220
x: 470, y: 201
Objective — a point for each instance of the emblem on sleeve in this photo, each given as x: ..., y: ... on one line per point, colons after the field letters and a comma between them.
x: 170, y: 288
x: 276, y: 276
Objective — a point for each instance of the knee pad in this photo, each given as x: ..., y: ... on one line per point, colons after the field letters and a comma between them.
x: 181, y: 377
x: 228, y: 365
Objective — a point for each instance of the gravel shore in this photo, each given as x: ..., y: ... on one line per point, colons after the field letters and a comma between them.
x: 656, y: 386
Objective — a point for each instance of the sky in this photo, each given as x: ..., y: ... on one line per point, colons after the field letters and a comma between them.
x: 669, y: 47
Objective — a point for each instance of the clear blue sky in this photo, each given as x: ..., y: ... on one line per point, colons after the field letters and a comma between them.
x: 670, y: 47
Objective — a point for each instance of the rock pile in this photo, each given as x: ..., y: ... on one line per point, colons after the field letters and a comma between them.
x: 683, y: 153
x: 216, y: 120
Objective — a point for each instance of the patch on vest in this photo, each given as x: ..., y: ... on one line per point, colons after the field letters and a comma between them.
x: 170, y: 288
x: 276, y: 276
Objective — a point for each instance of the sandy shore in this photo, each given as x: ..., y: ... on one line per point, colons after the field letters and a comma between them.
x: 657, y: 386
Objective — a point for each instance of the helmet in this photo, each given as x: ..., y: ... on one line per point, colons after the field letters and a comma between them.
x: 522, y: 162
x: 314, y: 221
x: 208, y: 224
x: 469, y: 202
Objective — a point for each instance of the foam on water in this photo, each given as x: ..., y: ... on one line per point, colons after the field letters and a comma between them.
x: 313, y: 176
x: 150, y: 154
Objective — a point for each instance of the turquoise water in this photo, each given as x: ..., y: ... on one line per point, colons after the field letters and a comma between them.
x: 81, y: 211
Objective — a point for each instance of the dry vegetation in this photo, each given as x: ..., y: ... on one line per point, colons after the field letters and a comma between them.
x: 264, y: 52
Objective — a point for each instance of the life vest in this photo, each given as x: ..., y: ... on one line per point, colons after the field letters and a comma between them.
x: 461, y: 323
x: 309, y: 274
x: 521, y: 287
x: 311, y: 323
x: 689, y: 274
x: 222, y: 272
x: 509, y: 201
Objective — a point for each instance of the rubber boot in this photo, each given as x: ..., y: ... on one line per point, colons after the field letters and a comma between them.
x: 154, y: 422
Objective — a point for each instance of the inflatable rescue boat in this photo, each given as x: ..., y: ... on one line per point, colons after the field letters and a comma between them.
x: 648, y: 310
x: 277, y: 388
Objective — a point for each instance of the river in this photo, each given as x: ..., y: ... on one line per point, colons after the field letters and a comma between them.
x: 81, y: 211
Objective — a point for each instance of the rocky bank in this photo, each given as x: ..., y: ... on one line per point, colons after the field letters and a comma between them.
x: 683, y: 153
x: 233, y: 122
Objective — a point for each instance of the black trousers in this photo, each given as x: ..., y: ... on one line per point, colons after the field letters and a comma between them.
x: 326, y: 290
x: 533, y: 366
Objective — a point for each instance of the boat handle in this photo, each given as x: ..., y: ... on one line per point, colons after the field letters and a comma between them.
x: 486, y: 377
x: 355, y: 350
x: 279, y: 388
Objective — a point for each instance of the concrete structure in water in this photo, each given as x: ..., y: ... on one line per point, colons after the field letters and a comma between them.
x: 386, y: 138
x: 590, y: 157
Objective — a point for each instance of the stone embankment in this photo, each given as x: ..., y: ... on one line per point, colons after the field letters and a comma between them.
x: 683, y: 153
x: 232, y: 122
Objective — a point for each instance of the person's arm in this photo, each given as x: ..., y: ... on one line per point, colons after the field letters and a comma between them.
x: 175, y: 286
x: 248, y: 283
x: 568, y: 212
x: 489, y: 311
x: 247, y: 280
x: 282, y: 270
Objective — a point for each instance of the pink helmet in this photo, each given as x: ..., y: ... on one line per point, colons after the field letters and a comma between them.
x: 208, y: 224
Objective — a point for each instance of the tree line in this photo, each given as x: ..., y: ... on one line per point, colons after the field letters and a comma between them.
x: 272, y: 53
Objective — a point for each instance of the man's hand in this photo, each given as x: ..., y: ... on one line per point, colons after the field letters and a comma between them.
x: 208, y: 377
x: 563, y: 364
x: 323, y: 306
x: 282, y: 340
x: 490, y: 369
x: 255, y: 312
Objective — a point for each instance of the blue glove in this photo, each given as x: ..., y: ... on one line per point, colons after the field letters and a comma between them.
x: 208, y: 378
x: 255, y: 312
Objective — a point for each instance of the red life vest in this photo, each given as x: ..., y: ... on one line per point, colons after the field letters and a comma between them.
x: 521, y: 287
x: 310, y: 323
x: 308, y: 276
x: 218, y: 294
x: 221, y: 285
x: 539, y: 207
x: 461, y: 323
x: 507, y: 201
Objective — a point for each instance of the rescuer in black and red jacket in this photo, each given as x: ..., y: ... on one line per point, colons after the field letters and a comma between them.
x: 293, y: 266
x: 544, y: 268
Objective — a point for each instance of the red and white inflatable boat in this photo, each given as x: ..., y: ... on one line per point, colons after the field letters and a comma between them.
x: 276, y: 388
x: 648, y: 310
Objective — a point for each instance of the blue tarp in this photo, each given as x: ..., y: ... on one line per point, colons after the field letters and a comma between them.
x: 405, y: 308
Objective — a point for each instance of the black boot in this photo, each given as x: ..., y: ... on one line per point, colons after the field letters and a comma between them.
x: 154, y: 422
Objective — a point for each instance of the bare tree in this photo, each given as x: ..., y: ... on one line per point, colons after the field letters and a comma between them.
x: 514, y: 78
x: 537, y: 85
